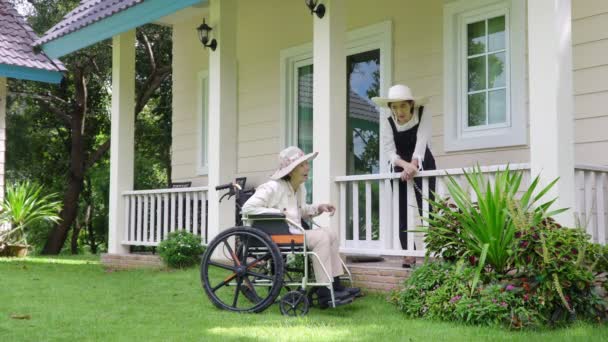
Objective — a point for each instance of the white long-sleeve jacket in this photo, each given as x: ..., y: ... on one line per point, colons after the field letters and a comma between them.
x: 278, y: 197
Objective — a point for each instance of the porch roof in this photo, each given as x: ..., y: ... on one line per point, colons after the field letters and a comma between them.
x: 18, y: 59
x: 95, y: 20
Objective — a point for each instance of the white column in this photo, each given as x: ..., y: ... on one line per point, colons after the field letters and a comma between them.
x: 3, y: 109
x: 222, y: 112
x: 551, y: 99
x: 329, y: 103
x: 122, y: 136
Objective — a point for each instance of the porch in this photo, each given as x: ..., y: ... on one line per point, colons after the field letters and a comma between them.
x: 368, y: 210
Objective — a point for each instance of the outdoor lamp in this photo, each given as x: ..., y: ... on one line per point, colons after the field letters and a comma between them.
x: 318, y: 10
x: 203, y: 36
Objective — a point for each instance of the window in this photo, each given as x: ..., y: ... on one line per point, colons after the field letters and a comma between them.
x: 484, y: 74
x: 203, y: 122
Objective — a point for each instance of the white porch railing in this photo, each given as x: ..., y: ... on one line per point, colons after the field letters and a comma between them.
x: 591, y: 202
x: 152, y: 214
x: 362, y: 233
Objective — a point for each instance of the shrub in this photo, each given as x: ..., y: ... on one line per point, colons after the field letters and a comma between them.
x: 181, y: 249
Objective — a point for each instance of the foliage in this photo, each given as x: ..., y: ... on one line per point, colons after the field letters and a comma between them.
x: 181, y: 249
x: 25, y: 205
x: 465, y: 229
x: 506, y: 260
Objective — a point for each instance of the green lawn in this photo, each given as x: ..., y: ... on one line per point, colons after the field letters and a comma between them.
x: 76, y: 300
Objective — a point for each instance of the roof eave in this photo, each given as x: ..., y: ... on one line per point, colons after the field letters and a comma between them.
x: 132, y: 17
x: 32, y: 74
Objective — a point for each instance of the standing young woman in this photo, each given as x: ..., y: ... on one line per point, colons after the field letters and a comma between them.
x: 407, y: 136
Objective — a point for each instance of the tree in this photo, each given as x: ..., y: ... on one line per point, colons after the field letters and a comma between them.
x: 77, y: 110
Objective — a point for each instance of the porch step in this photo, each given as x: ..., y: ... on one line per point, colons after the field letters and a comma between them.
x: 131, y: 261
x: 380, y: 276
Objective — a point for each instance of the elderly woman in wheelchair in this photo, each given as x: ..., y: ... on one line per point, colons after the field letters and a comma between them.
x: 259, y: 256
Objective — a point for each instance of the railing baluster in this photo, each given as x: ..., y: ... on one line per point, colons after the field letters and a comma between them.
x: 153, y: 219
x: 412, y: 207
x: 602, y: 224
x: 396, y: 224
x: 127, y: 218
x: 589, y: 205
x: 132, y: 230
x: 166, y: 215
x: 139, y: 230
x: 173, y: 213
x: 145, y: 237
x: 188, y: 224
x: 159, y: 226
x: 368, y: 211
x: 580, y: 196
x: 203, y: 222
x: 195, y: 213
x: 355, y: 188
x: 425, y: 207
x: 343, y: 214
x: 180, y: 211
x: 385, y: 213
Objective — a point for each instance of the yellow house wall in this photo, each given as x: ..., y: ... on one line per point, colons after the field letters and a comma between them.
x: 264, y: 31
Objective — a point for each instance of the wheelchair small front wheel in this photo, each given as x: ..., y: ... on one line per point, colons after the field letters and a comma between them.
x: 294, y: 303
x: 242, y: 270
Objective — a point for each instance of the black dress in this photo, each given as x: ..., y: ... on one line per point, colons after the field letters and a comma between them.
x: 405, y: 143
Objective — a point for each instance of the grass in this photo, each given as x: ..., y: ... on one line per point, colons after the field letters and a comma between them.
x: 75, y: 299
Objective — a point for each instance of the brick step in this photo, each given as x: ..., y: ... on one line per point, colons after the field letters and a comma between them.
x: 380, y: 276
x: 131, y: 261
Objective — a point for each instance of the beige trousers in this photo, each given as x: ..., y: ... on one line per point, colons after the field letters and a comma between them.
x: 324, y: 242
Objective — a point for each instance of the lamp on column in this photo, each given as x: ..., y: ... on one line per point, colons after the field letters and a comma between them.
x: 203, y: 36
x: 319, y: 9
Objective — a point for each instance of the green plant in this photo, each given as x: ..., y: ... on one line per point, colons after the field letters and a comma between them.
x: 25, y: 205
x: 181, y: 249
x: 465, y: 229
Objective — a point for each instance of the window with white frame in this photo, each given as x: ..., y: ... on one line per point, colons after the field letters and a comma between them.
x: 484, y: 60
x: 203, y: 121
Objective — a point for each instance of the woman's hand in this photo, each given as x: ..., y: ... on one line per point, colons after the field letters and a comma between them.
x: 409, y: 171
x: 326, y: 208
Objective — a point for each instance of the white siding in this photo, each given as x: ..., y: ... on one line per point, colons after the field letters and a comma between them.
x: 590, y: 60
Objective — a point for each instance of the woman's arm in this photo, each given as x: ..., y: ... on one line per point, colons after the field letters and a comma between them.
x: 388, y: 145
x: 259, y: 203
x: 423, y: 137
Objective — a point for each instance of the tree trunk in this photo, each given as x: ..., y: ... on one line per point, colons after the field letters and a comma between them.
x: 69, y: 212
x: 75, y: 233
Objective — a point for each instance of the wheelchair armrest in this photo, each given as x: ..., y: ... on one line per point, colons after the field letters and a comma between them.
x: 266, y: 217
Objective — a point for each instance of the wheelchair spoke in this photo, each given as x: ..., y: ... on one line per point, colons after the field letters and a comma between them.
x: 235, y: 258
x: 220, y: 265
x: 237, y: 290
x: 259, y: 275
x: 223, y: 283
x: 257, y: 260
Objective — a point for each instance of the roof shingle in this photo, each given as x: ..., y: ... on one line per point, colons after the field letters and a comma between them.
x: 88, y: 12
x: 16, y: 39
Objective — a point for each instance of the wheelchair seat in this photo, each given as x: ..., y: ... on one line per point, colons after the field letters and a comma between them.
x: 277, y: 228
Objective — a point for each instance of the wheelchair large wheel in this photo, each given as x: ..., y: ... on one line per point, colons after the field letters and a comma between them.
x: 242, y: 270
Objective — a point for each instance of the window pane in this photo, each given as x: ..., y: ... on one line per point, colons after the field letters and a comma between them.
x: 477, y: 109
x: 497, y: 106
x: 496, y: 71
x: 305, y: 119
x: 476, y: 38
x: 496, y: 33
x: 477, y: 73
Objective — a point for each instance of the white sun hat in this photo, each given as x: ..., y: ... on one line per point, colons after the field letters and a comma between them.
x: 289, y: 158
x: 399, y: 92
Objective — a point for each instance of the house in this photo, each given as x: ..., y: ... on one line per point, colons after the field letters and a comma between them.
x: 19, y: 60
x: 510, y: 82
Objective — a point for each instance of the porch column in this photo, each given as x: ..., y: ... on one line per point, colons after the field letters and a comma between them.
x: 551, y: 99
x: 329, y: 103
x: 122, y: 136
x: 3, y: 109
x: 222, y: 112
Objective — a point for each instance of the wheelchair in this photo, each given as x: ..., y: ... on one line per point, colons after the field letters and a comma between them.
x: 248, y: 268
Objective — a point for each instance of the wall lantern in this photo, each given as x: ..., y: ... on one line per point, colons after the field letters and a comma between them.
x: 203, y: 36
x: 318, y: 10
